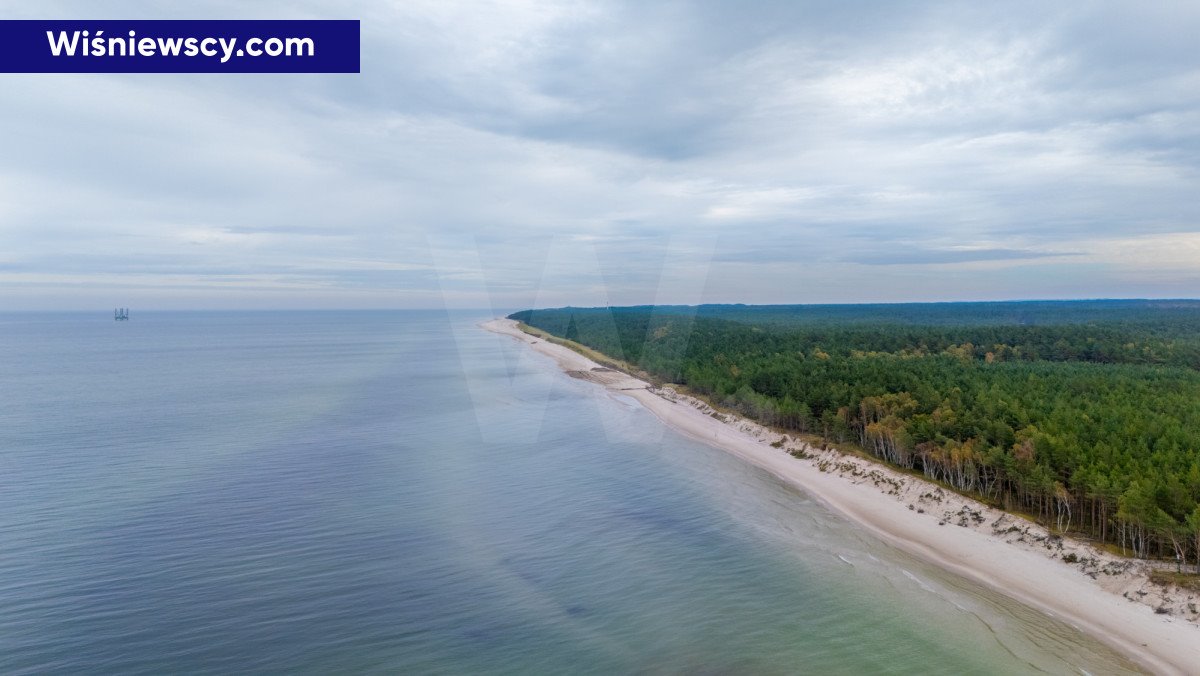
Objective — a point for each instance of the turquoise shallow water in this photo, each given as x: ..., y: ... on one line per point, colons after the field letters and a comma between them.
x: 405, y: 493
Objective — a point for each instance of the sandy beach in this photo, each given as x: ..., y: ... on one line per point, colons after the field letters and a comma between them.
x: 1108, y: 597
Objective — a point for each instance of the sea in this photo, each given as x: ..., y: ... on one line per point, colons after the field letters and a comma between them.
x: 403, y: 492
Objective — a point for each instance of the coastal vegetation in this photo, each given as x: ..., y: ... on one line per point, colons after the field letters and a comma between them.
x: 1084, y: 415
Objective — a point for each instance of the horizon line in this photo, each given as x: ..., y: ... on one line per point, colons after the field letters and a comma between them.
x: 497, y: 309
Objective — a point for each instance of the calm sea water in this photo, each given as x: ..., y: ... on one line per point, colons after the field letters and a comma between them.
x: 405, y: 493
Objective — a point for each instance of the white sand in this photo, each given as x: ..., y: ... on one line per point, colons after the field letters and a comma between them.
x: 1106, y: 597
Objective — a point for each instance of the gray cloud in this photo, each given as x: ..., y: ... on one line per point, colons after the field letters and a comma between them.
x: 946, y: 256
x: 578, y: 150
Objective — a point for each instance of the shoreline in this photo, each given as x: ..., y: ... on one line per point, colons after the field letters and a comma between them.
x: 1104, y: 596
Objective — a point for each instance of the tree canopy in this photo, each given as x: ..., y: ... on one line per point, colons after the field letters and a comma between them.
x: 1085, y: 414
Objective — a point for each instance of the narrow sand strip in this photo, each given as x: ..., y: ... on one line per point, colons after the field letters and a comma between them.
x: 1003, y: 552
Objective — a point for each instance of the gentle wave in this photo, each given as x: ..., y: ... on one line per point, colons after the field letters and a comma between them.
x: 253, y: 492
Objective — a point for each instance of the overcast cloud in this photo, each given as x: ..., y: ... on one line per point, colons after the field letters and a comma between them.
x: 516, y: 153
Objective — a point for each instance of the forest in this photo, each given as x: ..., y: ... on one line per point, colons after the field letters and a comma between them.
x: 1082, y: 414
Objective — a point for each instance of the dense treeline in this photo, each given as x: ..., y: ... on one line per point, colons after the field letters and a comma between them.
x: 1085, y: 414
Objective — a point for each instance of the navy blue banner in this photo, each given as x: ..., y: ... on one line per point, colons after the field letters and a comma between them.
x: 179, y: 46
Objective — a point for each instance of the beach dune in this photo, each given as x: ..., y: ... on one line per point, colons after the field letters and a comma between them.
x: 1104, y: 596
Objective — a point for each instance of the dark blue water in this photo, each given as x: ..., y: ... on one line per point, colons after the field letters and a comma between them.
x: 405, y: 493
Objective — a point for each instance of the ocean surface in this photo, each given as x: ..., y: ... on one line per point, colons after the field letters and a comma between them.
x: 402, y: 492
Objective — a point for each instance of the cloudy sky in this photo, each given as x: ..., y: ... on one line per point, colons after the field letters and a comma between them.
x: 508, y: 154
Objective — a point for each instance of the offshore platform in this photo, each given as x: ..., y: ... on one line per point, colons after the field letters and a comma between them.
x: 121, y: 314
